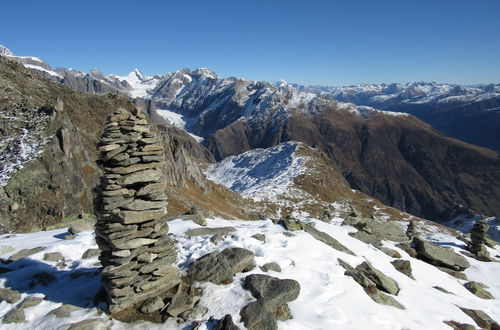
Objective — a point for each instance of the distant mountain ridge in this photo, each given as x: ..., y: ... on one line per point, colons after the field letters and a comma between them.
x: 391, y: 156
x: 468, y: 113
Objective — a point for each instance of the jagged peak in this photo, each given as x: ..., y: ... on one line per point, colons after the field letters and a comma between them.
x: 206, y: 72
x: 5, y: 51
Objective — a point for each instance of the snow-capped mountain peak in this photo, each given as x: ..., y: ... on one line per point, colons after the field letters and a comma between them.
x: 5, y: 51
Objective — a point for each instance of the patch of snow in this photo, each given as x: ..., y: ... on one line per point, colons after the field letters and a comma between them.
x: 328, y: 299
x: 260, y: 174
x: 177, y: 120
x: 39, y: 68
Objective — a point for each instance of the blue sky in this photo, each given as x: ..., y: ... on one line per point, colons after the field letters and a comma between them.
x: 309, y: 42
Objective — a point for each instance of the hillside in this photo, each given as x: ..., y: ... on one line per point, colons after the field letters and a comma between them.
x: 49, y: 152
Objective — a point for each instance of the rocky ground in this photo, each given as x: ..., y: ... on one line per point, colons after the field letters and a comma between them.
x: 324, y: 275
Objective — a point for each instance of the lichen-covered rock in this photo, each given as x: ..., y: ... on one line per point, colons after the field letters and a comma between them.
x: 272, y: 295
x: 479, y: 289
x: 438, y: 255
x: 220, y: 267
x: 226, y: 323
x: 25, y: 253
x: 403, y: 266
x: 210, y: 231
x: 152, y: 305
x: 9, y: 295
x: 271, y: 266
x: 325, y: 238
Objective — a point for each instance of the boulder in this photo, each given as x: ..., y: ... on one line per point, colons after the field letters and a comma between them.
x: 25, y: 253
x: 481, y: 318
x: 366, y: 238
x: 226, y: 323
x: 90, y: 253
x: 79, y: 226
x: 260, y: 237
x: 9, y: 295
x: 403, y: 266
x: 210, y: 231
x: 271, y: 266
x: 152, y: 305
x: 373, y: 281
x: 382, y: 281
x: 30, y: 302
x: 53, y: 256
x: 183, y: 300
x: 290, y: 223
x: 439, y: 256
x: 454, y: 273
x: 64, y: 310
x: 220, y: 267
x: 479, y: 289
x: 325, y: 238
x: 272, y: 296
x: 15, y: 316
x: 90, y: 324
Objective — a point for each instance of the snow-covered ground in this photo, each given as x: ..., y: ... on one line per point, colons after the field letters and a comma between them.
x: 260, y: 174
x: 328, y: 299
x: 177, y: 120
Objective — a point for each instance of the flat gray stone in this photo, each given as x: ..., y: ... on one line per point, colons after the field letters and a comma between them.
x: 90, y: 324
x: 479, y: 289
x: 131, y: 217
x: 271, y: 266
x: 150, y: 175
x: 325, y: 238
x: 260, y: 237
x: 152, y: 305
x: 226, y: 323
x: 439, y: 256
x: 30, y: 302
x: 482, y: 319
x: 209, y: 231
x: 403, y: 266
x: 141, y: 205
x: 15, y: 316
x: 153, y: 188
x: 25, y: 253
x: 10, y: 296
x: 91, y: 253
x: 220, y: 267
x: 53, y: 256
x: 64, y: 311
x: 382, y: 281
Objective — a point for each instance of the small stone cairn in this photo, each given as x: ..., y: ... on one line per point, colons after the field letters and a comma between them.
x: 136, y: 253
x: 478, y: 239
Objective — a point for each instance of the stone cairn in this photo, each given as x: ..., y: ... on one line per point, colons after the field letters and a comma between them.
x: 478, y: 239
x: 136, y: 253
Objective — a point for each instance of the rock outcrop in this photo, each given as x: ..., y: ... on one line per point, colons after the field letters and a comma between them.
x: 439, y: 256
x: 375, y: 283
x: 137, y: 254
x: 220, y: 267
x: 272, y: 296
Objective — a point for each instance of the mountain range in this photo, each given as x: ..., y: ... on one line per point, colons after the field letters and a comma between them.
x: 275, y: 206
x: 388, y: 154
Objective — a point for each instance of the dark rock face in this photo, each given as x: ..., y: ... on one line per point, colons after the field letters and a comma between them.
x: 220, y: 267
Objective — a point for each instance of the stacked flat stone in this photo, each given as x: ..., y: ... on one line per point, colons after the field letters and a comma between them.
x: 136, y: 253
x: 478, y: 239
